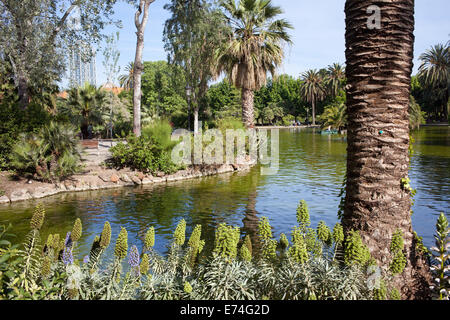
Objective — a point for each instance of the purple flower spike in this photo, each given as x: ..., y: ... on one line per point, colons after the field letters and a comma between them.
x: 67, y: 256
x: 133, y: 257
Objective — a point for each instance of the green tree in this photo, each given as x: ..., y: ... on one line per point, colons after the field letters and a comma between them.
x: 33, y: 34
x: 254, y: 49
x: 434, y: 73
x: 335, y: 79
x: 313, y: 89
x: 191, y: 35
x: 85, y: 107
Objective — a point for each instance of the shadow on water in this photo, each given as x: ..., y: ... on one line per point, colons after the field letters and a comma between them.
x: 312, y: 167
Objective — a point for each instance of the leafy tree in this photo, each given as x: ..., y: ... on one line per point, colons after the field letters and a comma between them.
x: 335, y: 116
x: 162, y: 90
x: 191, y: 35
x: 254, y: 49
x: 33, y: 34
x: 223, y: 101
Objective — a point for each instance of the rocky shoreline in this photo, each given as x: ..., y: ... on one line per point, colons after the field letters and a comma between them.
x: 100, y: 178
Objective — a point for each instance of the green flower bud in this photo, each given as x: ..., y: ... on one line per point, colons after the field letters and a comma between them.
x: 298, y: 251
x: 303, y: 214
x: 323, y: 232
x: 121, y: 249
x: 245, y: 254
x: 397, y: 241
x: 248, y: 244
x: 264, y: 229
x: 38, y: 217
x: 46, y: 267
x: 284, y: 242
x: 338, y: 233
x: 180, y: 233
x: 226, y: 241
x: 149, y: 240
x: 145, y: 264
x: 75, y: 235
x: 187, y: 287
x: 105, y: 237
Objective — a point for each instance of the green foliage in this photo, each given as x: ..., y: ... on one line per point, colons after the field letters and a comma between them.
x: 75, y: 235
x: 416, y: 115
x: 264, y: 229
x: 441, y: 259
x: 335, y: 116
x: 298, y: 251
x: 38, y: 217
x: 161, y: 131
x: 51, y: 154
x: 355, y: 252
x: 324, y: 233
x: 284, y: 242
x: 226, y: 241
x: 149, y: 240
x: 303, y: 215
x: 121, y: 248
x: 179, y: 233
x: 143, y: 154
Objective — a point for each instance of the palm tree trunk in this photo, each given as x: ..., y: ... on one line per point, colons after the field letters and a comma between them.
x: 247, y: 108
x: 313, y: 103
x: 379, y: 65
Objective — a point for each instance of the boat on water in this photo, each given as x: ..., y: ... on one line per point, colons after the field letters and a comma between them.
x: 329, y: 132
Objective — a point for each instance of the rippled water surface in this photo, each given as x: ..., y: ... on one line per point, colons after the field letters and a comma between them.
x: 312, y: 167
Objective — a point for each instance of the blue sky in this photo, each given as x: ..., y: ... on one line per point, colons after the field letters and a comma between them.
x: 318, y: 35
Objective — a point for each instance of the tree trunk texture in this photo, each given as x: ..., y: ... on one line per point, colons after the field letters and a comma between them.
x: 138, y: 65
x: 247, y: 108
x: 379, y: 65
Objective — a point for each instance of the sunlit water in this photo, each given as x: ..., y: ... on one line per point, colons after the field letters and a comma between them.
x: 312, y: 167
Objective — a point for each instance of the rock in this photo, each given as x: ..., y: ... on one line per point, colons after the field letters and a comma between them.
x: 141, y: 176
x: 4, y: 199
x: 147, y: 180
x: 114, y: 178
x: 125, y: 178
x: 19, y: 195
x: 160, y: 174
x: 136, y: 180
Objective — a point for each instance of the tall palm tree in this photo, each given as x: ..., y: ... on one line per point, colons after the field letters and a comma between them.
x: 126, y: 80
x: 378, y: 70
x: 313, y: 89
x: 254, y: 49
x: 434, y: 73
x: 335, y: 78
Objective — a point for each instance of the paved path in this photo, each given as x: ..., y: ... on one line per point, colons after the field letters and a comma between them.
x: 93, y: 156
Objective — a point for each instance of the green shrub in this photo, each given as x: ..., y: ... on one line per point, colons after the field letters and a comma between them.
x: 143, y: 154
x: 51, y: 154
x: 161, y: 132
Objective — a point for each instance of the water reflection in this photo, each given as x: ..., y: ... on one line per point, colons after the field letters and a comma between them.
x: 312, y: 167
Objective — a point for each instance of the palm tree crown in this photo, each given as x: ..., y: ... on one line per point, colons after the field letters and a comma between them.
x: 313, y: 89
x: 335, y: 78
x: 255, y: 45
x: 126, y: 80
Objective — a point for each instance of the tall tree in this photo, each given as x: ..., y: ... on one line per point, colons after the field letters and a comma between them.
x: 140, y: 21
x: 313, y: 89
x: 191, y: 35
x: 379, y: 52
x: 33, y: 34
x: 335, y: 79
x: 255, y: 47
x: 434, y: 73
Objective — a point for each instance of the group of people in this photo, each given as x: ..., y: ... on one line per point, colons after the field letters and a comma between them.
x: 296, y: 123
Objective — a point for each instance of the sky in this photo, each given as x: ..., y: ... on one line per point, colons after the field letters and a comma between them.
x: 318, y: 35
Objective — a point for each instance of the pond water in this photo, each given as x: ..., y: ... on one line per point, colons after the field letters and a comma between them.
x: 312, y: 167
